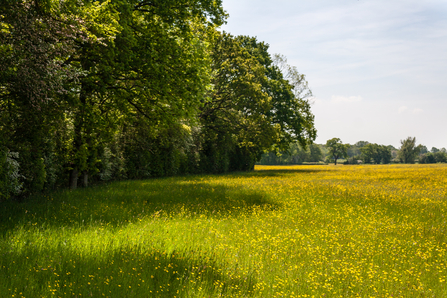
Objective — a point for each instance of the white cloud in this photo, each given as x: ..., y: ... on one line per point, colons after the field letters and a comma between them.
x: 402, y: 109
x: 405, y: 109
x: 418, y: 111
x: 346, y: 99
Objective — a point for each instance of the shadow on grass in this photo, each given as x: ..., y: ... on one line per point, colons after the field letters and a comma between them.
x: 131, y: 271
x: 123, y: 202
x: 284, y: 172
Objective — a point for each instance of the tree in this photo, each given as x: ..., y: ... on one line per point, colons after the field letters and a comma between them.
x: 315, y: 153
x: 252, y: 106
x: 361, y: 144
x: 440, y: 156
x: 235, y: 129
x: 150, y: 64
x: 385, y: 154
x: 36, y: 38
x: 368, y: 152
x: 291, y: 98
x: 408, y: 150
x: 423, y: 149
x: 134, y: 88
x: 75, y: 74
x: 374, y: 153
x: 427, y: 158
x: 336, y: 149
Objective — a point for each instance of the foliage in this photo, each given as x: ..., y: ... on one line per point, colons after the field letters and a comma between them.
x: 408, y: 150
x: 294, y: 155
x: 252, y: 107
x: 35, y: 39
x: 423, y: 149
x: 430, y: 157
x: 267, y: 92
x: 336, y: 149
x: 233, y: 120
x: 106, y: 90
x: 374, y: 153
x: 291, y: 99
x: 87, y: 68
x: 427, y: 158
x: 441, y: 156
x: 10, y: 184
x: 353, y: 160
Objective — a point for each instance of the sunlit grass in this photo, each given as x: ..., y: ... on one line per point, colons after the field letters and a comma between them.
x: 303, y: 231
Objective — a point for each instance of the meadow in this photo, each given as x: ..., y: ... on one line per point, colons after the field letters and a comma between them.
x: 289, y: 231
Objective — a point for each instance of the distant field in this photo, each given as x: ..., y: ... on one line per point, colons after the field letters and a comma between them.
x: 288, y: 231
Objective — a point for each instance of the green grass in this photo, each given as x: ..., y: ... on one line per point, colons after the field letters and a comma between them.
x: 334, y: 231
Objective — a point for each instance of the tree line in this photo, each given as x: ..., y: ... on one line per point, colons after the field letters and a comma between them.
x: 361, y: 152
x: 128, y: 89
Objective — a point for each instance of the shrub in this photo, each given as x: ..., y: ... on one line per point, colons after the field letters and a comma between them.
x: 352, y: 160
x: 10, y: 184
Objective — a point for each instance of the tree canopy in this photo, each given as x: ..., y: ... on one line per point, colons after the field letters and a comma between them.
x: 408, y: 150
x: 101, y: 90
x: 336, y: 149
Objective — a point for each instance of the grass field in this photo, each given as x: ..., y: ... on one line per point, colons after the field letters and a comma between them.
x: 302, y: 231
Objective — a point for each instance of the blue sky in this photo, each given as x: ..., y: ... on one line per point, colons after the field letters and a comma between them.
x: 377, y: 68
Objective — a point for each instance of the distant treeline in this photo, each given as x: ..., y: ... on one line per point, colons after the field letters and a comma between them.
x: 295, y: 155
x: 96, y: 91
x: 361, y: 152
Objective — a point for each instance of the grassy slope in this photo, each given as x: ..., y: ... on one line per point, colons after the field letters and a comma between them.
x: 301, y: 231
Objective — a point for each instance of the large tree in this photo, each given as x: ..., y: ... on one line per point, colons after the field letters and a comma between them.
x: 336, y: 149
x: 253, y: 107
x: 150, y: 63
x: 408, y: 150
x: 374, y: 153
x: 290, y: 96
x: 36, y: 38
x: 85, y: 68
x: 234, y: 122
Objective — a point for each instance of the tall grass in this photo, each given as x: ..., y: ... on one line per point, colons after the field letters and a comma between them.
x: 321, y: 231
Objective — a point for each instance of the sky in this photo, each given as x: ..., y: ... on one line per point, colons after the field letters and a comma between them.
x: 377, y: 68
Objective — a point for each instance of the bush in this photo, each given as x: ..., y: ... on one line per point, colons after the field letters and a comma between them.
x: 10, y: 176
x: 427, y: 158
x: 352, y: 160
x: 440, y: 156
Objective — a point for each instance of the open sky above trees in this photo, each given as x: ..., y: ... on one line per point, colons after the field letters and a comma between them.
x: 377, y: 68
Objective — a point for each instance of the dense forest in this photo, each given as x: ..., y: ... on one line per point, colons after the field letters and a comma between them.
x: 128, y: 89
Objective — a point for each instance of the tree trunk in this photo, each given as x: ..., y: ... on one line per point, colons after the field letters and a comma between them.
x: 84, y: 178
x: 73, y: 179
x: 78, y: 140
